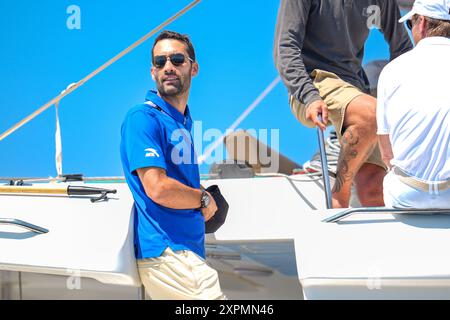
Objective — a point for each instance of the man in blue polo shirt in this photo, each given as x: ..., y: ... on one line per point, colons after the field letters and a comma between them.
x: 161, y: 170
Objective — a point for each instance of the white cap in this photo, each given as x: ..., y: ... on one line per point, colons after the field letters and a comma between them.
x: 436, y: 9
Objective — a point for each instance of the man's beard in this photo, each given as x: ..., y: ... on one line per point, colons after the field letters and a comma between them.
x: 176, y: 88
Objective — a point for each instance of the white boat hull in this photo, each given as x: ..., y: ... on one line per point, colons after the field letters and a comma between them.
x: 273, y: 245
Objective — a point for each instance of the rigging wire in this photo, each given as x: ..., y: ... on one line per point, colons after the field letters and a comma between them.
x: 218, y: 142
x: 78, y: 84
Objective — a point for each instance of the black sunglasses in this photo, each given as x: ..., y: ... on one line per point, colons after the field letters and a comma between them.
x: 409, y: 24
x: 177, y: 59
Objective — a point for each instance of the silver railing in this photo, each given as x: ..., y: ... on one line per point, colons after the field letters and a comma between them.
x: 375, y: 210
x: 25, y: 225
x: 324, y: 162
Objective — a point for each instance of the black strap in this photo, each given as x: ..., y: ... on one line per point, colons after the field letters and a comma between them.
x: 152, y: 104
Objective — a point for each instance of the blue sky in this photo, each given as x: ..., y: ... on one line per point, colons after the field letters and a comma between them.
x: 40, y: 56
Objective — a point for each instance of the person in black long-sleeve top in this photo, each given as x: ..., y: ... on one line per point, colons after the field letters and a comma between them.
x: 319, y: 47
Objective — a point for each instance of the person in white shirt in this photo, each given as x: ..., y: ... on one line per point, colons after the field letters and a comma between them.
x: 413, y: 113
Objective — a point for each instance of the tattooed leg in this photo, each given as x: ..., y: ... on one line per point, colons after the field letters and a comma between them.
x: 357, y: 142
x: 348, y: 164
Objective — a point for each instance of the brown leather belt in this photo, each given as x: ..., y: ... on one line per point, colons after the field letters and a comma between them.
x: 415, y: 183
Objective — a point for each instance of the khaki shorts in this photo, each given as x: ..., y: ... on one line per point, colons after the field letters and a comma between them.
x: 337, y: 94
x: 180, y: 275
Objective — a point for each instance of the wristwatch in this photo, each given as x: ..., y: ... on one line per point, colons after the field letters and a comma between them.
x: 204, y: 200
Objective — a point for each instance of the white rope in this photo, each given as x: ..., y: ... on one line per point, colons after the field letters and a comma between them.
x: 58, y: 139
x: 218, y: 142
x: 58, y: 144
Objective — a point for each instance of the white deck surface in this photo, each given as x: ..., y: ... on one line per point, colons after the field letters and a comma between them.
x: 94, y: 239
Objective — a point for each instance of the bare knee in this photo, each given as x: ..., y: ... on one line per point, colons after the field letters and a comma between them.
x: 369, y: 185
x: 361, y: 114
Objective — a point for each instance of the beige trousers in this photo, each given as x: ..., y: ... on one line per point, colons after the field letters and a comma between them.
x: 180, y: 275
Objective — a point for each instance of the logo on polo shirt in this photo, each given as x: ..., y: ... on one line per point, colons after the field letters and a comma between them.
x: 151, y: 153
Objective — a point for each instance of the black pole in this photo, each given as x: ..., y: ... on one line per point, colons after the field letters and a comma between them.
x: 84, y: 191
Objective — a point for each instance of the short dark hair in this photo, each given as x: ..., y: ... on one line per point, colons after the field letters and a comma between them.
x: 176, y: 36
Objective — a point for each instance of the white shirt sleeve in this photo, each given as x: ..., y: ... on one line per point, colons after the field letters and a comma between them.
x: 382, y: 103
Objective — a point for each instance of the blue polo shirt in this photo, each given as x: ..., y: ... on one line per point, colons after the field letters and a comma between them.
x: 159, y: 136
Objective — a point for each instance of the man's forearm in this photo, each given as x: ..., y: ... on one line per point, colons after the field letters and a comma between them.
x: 173, y: 194
x: 168, y: 192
